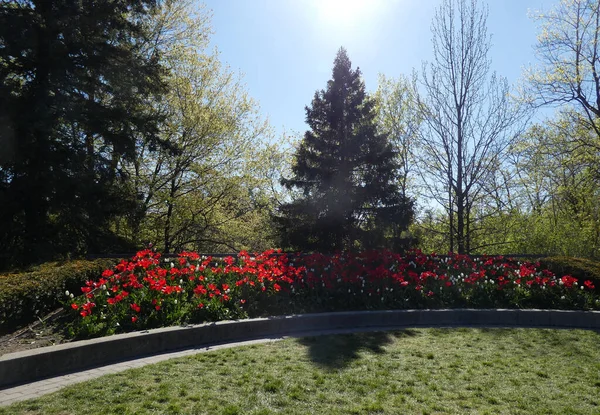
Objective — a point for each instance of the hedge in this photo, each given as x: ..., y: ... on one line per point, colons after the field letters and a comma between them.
x: 29, y: 295
x: 580, y: 268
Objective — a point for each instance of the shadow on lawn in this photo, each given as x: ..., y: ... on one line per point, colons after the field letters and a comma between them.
x: 337, y: 351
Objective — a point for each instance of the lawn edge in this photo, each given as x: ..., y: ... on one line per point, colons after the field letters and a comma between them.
x: 32, y: 365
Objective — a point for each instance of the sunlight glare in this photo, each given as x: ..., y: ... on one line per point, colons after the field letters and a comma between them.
x: 343, y: 12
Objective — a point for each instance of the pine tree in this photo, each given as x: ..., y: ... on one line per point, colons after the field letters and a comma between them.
x: 72, y: 104
x: 346, y: 171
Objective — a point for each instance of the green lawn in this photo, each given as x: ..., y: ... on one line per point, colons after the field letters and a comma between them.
x: 424, y: 371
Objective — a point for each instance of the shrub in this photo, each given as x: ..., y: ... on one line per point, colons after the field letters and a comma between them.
x: 580, y: 268
x: 26, y: 296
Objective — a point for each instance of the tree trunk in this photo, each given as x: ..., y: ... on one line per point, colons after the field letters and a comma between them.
x: 167, y: 233
x: 468, y: 228
x: 460, y: 196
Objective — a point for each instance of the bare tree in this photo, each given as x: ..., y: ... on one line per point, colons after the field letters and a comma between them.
x: 568, y: 47
x: 468, y: 117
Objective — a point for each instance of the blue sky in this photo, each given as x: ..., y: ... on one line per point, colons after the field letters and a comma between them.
x: 285, y: 48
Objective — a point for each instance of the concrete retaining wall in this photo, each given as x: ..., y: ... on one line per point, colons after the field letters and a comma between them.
x: 31, y: 365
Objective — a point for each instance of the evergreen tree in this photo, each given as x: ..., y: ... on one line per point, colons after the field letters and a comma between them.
x: 72, y: 104
x: 346, y: 172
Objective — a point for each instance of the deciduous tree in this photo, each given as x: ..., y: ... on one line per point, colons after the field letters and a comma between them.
x: 207, y: 190
x: 569, y: 50
x: 468, y: 119
x: 399, y: 118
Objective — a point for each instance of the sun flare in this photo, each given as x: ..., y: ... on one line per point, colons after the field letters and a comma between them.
x: 343, y: 11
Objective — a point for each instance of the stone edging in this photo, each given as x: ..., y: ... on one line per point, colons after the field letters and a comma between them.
x: 31, y: 365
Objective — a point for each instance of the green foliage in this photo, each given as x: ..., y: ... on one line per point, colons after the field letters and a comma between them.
x: 28, y: 295
x: 75, y: 93
x: 399, y: 118
x: 346, y: 173
x: 548, y: 202
x: 208, y: 190
x: 553, y: 192
x: 430, y: 232
x: 580, y: 268
x: 567, y: 51
x: 124, y: 128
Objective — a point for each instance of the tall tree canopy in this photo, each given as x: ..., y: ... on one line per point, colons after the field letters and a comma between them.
x: 346, y: 172
x: 211, y: 193
x: 72, y: 102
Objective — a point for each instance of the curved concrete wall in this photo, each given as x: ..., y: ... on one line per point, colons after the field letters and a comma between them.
x: 51, y: 361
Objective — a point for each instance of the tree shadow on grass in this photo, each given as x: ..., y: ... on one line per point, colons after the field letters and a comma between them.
x: 338, y: 351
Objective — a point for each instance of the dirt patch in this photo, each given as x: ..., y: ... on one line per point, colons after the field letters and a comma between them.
x: 48, y: 332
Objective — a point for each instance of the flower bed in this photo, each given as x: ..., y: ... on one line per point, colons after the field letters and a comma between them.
x: 149, y: 291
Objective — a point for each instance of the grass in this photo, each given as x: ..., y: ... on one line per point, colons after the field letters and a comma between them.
x: 421, y: 371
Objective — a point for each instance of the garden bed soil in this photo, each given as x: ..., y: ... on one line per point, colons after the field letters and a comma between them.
x: 46, y: 332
